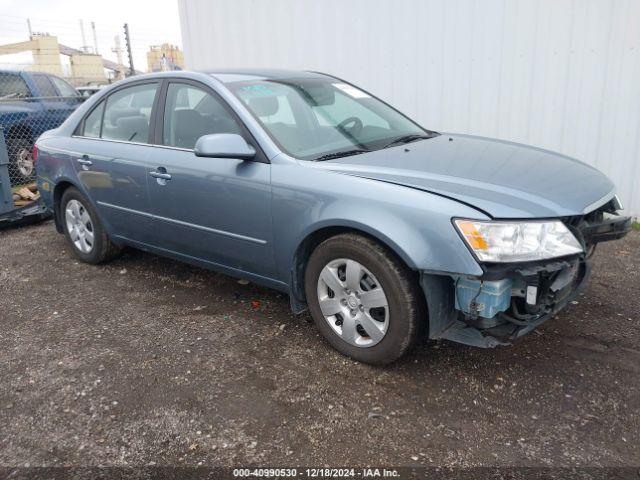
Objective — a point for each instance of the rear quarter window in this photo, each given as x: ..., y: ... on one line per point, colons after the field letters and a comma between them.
x: 93, y: 123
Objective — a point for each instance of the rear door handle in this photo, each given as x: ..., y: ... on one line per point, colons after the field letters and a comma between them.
x: 84, y: 160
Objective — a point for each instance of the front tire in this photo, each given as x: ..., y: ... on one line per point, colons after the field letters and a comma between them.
x: 364, y: 300
x: 84, y: 231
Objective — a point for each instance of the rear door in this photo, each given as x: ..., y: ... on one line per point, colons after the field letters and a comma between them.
x: 214, y: 209
x: 55, y: 108
x: 112, y: 152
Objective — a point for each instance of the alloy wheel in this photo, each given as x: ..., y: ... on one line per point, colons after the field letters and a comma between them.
x: 79, y: 226
x: 24, y: 162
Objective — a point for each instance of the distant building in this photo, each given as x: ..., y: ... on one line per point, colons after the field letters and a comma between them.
x: 47, y: 55
x: 165, y: 57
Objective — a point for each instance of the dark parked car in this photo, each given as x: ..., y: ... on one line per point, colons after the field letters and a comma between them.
x: 31, y: 103
x: 307, y: 184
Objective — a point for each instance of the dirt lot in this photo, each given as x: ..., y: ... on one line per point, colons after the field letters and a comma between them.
x: 148, y: 361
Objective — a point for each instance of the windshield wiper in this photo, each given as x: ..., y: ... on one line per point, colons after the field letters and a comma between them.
x: 406, y: 139
x: 345, y: 153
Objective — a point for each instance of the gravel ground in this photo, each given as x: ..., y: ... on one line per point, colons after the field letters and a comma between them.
x: 148, y: 361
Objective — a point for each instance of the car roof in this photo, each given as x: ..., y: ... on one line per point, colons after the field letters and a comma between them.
x: 245, y: 74
x: 223, y: 76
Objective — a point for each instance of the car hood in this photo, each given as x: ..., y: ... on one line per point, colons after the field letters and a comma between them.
x: 502, y: 179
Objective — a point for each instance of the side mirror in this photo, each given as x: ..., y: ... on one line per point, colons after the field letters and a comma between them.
x: 224, y: 145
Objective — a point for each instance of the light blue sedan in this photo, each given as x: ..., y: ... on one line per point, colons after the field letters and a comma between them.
x: 308, y: 184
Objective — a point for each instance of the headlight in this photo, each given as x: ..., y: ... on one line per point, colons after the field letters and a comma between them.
x: 518, y: 241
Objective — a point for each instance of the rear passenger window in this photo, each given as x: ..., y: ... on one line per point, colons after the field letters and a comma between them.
x: 45, y: 86
x: 127, y: 114
x: 190, y: 113
x: 93, y: 122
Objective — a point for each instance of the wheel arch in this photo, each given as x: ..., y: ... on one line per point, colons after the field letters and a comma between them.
x: 20, y: 130
x: 318, y: 235
x: 58, y: 192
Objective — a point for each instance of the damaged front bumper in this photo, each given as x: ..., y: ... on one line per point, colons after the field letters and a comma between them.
x: 474, y: 312
x: 510, y: 300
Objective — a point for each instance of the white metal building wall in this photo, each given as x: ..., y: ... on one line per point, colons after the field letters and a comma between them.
x: 560, y: 74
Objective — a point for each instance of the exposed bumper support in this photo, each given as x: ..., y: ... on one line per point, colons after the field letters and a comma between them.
x: 445, y: 322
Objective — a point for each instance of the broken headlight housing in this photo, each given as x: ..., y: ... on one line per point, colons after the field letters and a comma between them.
x: 516, y: 241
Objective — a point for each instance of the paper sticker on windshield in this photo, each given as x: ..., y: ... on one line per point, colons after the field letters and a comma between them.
x: 258, y: 90
x: 351, y: 90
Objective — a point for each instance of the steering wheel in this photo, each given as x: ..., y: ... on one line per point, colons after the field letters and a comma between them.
x: 354, y: 129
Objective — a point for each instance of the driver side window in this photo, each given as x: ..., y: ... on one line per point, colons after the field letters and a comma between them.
x: 190, y: 113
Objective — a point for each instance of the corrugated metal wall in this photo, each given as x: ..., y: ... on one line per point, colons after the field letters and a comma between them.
x: 559, y: 74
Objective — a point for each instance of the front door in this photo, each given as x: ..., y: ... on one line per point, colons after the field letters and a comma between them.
x: 213, y: 209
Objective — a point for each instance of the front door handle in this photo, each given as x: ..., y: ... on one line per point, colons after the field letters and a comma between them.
x: 161, y: 175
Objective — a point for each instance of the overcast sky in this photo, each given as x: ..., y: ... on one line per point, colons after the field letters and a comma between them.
x: 150, y: 23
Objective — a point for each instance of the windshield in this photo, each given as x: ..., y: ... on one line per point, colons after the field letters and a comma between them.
x: 323, y: 117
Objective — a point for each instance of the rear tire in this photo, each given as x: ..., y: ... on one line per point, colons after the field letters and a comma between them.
x: 382, y: 299
x: 84, y: 231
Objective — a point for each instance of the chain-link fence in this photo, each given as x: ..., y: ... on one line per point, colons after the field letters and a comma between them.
x: 30, y: 104
x: 23, y: 121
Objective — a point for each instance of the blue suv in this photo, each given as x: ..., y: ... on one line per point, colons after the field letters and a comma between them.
x: 30, y: 104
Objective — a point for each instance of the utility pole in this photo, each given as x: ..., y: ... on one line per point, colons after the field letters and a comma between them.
x: 127, y: 40
x: 118, y: 51
x: 95, y: 38
x: 84, y: 38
